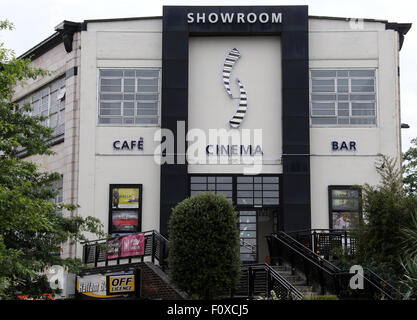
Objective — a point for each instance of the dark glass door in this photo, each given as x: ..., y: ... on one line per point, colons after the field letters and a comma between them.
x: 248, y: 235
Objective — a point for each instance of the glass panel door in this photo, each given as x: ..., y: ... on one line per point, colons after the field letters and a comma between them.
x: 248, y: 233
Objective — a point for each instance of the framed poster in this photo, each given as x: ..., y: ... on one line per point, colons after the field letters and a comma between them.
x: 345, y: 210
x: 125, y: 208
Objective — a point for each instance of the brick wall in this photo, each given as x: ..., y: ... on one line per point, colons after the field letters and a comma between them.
x: 155, y: 284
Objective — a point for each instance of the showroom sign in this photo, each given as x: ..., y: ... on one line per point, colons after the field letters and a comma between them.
x: 234, y: 17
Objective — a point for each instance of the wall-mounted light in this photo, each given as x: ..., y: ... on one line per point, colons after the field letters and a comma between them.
x: 404, y: 126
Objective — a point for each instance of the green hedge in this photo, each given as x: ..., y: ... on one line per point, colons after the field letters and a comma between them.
x: 204, y: 254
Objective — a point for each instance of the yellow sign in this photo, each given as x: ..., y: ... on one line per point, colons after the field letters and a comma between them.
x: 121, y: 284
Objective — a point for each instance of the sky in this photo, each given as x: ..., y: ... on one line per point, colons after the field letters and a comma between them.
x: 35, y: 21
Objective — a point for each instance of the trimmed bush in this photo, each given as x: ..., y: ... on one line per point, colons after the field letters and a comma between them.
x: 204, y: 257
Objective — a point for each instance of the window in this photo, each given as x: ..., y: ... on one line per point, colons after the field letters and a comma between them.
x: 219, y: 185
x: 49, y: 102
x: 125, y: 208
x: 345, y: 208
x: 343, y: 97
x: 241, y: 190
x: 129, y: 97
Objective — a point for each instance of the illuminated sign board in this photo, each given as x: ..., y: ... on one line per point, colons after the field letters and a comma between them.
x: 109, y: 286
x: 120, y: 284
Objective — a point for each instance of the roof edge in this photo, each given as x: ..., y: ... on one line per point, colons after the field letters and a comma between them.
x: 66, y: 29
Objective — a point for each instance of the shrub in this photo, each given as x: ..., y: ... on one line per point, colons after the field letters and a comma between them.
x: 204, y: 257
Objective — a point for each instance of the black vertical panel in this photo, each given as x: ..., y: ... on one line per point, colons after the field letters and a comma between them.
x: 174, y: 106
x: 295, y: 203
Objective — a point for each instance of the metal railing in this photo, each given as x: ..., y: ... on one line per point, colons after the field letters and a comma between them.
x: 260, y: 280
x: 327, y: 242
x: 322, y: 274
x: 247, y: 245
x: 255, y: 279
x: 156, y: 247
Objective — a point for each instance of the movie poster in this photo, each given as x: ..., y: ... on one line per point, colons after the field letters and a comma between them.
x: 125, y: 198
x: 125, y: 221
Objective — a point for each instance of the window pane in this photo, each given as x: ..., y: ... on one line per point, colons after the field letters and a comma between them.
x: 245, y: 179
x: 323, y: 88
x: 362, y: 73
x: 362, y: 89
x: 342, y: 89
x: 147, y: 112
x: 224, y: 186
x: 271, y: 187
x: 110, y: 112
x: 110, y: 96
x: 363, y: 82
x: 323, y: 120
x: 146, y: 97
x: 321, y: 106
x: 115, y: 120
x: 147, y: 73
x: 270, y: 201
x: 199, y: 179
x: 343, y: 113
x: 245, y: 194
x: 146, y: 120
x: 148, y: 82
x: 362, y: 121
x: 323, y: 113
x: 322, y: 97
x: 323, y: 73
x: 128, y: 112
x: 111, y: 73
x: 245, y: 187
x: 198, y: 187
x: 111, y: 82
x: 147, y: 89
x: 363, y: 112
x: 111, y: 88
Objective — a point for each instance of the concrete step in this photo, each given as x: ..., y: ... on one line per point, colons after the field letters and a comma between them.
x: 281, y: 268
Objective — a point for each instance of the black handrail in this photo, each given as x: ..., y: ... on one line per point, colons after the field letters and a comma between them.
x: 323, y: 241
x: 156, y: 247
x: 252, y: 274
x: 323, y: 268
x: 318, y: 245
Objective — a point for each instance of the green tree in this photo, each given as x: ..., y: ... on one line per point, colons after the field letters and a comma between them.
x: 387, y: 209
x: 32, y: 230
x: 409, y: 264
x: 410, y: 168
x: 204, y: 257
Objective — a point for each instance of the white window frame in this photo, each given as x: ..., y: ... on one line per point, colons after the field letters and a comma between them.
x: 59, y: 111
x: 158, y: 124
x: 349, y: 101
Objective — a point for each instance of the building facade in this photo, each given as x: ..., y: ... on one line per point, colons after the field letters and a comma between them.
x: 281, y: 112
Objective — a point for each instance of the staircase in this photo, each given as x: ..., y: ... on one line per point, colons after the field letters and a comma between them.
x: 311, y: 273
x: 296, y: 280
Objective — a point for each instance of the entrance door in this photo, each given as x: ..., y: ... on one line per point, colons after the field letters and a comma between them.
x: 267, y: 224
x: 254, y: 226
x: 248, y: 235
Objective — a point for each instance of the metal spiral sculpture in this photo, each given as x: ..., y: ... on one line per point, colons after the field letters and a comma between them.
x: 229, y: 62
